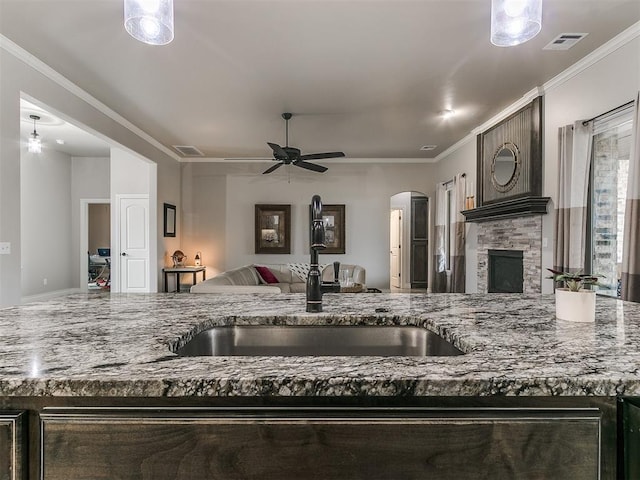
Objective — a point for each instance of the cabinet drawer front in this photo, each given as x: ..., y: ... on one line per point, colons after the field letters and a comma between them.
x: 180, y: 445
x: 12, y: 451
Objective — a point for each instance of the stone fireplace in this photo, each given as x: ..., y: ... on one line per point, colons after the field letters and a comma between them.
x: 519, y: 234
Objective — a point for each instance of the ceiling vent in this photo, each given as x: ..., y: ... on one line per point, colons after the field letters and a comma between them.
x: 188, y: 151
x: 428, y: 148
x: 565, y: 41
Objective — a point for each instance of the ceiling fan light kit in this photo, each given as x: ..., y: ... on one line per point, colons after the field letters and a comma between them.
x: 150, y: 21
x: 292, y: 156
x: 515, y: 21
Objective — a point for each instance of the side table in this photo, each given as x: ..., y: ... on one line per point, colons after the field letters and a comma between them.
x: 176, y: 271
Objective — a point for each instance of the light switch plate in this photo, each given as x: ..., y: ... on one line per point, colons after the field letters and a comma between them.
x: 5, y: 248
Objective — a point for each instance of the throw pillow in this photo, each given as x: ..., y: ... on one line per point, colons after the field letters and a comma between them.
x: 265, y: 274
x: 301, y: 270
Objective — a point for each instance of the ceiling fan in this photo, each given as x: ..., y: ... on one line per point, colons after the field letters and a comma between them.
x: 291, y: 155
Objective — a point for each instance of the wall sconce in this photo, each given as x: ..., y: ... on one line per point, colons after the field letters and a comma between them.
x: 34, y: 145
x: 150, y: 21
x: 515, y: 21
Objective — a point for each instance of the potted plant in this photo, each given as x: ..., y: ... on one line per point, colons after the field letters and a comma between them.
x: 576, y: 302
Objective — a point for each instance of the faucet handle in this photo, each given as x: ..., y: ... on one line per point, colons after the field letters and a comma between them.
x: 336, y: 272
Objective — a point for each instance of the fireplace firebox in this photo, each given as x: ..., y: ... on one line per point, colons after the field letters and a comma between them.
x: 506, y: 271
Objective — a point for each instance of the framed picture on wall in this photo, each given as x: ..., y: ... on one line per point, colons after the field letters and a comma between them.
x: 334, y: 228
x: 273, y: 228
x: 169, y: 220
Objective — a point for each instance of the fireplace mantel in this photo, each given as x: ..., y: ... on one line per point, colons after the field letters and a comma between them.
x: 519, y: 207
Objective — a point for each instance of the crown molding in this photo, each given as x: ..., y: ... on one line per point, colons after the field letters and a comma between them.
x: 328, y: 160
x: 585, y: 62
x: 592, y: 58
x: 41, y: 67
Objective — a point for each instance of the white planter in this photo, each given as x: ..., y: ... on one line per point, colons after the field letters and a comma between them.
x: 576, y: 306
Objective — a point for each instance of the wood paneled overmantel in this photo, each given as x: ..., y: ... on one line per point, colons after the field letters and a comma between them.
x: 509, y: 167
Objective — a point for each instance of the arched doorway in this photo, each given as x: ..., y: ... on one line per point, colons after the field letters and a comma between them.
x: 409, y: 241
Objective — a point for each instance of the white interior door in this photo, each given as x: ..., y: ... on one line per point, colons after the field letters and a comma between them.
x: 396, y: 252
x: 134, y: 272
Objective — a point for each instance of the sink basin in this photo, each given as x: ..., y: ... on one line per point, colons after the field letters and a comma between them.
x: 269, y: 340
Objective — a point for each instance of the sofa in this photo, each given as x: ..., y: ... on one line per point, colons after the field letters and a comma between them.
x: 270, y: 278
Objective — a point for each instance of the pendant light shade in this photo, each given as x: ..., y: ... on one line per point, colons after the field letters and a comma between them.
x: 150, y: 21
x: 34, y: 145
x: 515, y: 21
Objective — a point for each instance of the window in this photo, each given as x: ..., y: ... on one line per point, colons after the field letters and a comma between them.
x: 611, y: 152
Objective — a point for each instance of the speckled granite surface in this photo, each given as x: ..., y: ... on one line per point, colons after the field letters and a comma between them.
x: 121, y: 345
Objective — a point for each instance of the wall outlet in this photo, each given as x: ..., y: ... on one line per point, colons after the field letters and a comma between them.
x: 44, y: 281
x: 5, y: 248
x: 545, y: 242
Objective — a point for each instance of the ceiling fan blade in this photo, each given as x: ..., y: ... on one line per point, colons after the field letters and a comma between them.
x: 278, y: 151
x: 310, y: 166
x: 320, y: 156
x: 272, y: 168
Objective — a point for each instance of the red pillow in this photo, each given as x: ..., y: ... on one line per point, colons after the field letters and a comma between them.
x: 265, y: 274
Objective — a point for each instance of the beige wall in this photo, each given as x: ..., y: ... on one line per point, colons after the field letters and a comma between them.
x: 90, y: 179
x: 219, y: 210
x: 607, y: 84
x: 99, y: 227
x: 45, y: 209
x: 63, y: 100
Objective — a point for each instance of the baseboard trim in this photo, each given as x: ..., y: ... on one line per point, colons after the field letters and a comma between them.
x: 48, y: 295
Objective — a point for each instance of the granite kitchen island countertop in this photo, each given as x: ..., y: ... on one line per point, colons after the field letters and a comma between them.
x: 122, y: 345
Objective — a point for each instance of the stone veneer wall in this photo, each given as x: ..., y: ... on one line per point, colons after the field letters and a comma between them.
x: 512, y: 234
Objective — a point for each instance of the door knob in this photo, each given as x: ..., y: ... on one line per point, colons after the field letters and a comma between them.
x: 124, y: 254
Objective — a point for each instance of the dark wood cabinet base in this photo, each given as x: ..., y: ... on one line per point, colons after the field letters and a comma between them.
x: 320, y: 438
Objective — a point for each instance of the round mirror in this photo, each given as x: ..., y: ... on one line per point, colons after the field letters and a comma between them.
x: 504, y: 167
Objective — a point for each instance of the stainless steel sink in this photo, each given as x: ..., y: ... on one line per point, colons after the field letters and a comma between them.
x: 269, y: 340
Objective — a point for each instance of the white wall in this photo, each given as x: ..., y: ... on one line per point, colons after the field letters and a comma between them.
x: 585, y: 90
x: 46, y: 233
x: 364, y: 189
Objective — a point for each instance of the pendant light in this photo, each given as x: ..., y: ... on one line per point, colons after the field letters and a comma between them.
x: 34, y: 145
x: 515, y: 21
x: 150, y: 21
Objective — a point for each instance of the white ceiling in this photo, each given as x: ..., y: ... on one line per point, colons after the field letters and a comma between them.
x: 367, y: 77
x: 51, y: 130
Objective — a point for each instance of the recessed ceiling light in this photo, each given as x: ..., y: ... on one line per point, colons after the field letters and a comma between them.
x: 447, y: 113
x: 427, y: 148
x: 59, y: 141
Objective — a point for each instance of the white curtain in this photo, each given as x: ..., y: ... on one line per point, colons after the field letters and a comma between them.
x: 574, y: 150
x: 630, y: 253
x: 449, y: 259
x: 457, y: 226
x: 439, y: 256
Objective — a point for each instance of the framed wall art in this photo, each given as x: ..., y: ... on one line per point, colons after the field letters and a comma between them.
x: 334, y: 228
x: 169, y: 220
x: 273, y: 228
